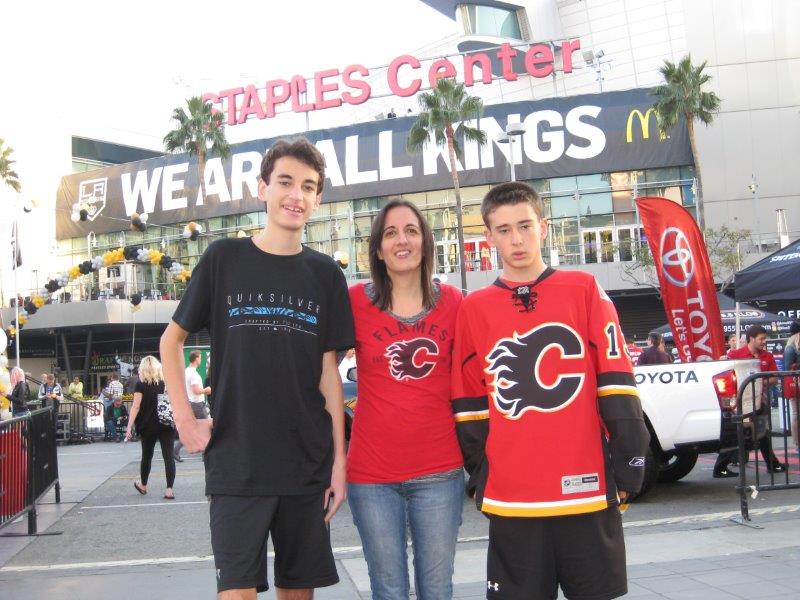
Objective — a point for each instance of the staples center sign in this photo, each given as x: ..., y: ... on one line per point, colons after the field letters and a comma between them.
x: 404, y: 76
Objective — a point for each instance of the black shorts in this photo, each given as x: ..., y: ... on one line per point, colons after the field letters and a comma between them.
x: 240, y: 526
x: 530, y: 557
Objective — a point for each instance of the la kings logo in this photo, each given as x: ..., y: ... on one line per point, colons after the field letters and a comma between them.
x: 412, y: 359
x: 529, y: 372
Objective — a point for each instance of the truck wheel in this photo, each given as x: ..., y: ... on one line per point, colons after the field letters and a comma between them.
x: 676, y: 465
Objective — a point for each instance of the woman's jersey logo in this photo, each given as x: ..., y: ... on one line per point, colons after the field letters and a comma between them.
x: 531, y: 371
x: 412, y: 359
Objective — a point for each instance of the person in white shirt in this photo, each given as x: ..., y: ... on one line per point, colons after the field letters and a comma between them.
x: 196, y: 392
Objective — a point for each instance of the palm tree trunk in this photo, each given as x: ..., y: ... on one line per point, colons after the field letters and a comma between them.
x: 201, y: 173
x: 459, y: 220
x: 701, y: 215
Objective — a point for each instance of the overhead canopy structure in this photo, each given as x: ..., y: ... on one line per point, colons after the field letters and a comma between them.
x: 748, y: 315
x: 776, y: 277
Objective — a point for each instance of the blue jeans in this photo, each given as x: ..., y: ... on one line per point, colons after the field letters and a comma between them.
x: 431, y: 506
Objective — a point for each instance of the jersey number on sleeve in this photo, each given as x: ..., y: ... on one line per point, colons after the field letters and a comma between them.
x: 613, y: 341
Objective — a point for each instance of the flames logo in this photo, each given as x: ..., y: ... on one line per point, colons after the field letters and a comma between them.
x: 528, y: 376
x: 412, y: 359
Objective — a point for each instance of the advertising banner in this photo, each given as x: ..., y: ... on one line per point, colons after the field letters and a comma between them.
x: 579, y: 135
x: 687, y: 282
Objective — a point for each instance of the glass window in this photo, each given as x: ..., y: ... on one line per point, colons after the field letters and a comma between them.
x: 563, y: 206
x: 621, y: 192
x: 563, y: 184
x: 597, y: 181
x: 597, y: 221
x: 488, y: 20
x: 564, y: 241
x: 659, y: 175
x: 596, y: 204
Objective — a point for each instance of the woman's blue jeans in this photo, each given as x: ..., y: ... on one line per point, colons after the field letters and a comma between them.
x: 431, y: 508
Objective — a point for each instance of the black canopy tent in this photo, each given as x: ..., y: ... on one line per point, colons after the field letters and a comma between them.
x: 748, y: 315
x: 776, y: 277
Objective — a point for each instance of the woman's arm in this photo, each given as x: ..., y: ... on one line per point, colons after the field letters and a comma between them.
x: 137, y: 403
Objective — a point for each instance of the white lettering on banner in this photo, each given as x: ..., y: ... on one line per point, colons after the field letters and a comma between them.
x: 471, y: 150
x: 543, y: 142
x: 553, y: 139
x: 144, y: 187
x: 494, y: 132
x: 431, y: 153
x: 351, y: 164
x: 594, y: 135
x: 332, y: 169
x: 387, y: 170
x: 241, y: 176
x: 216, y: 185
x: 791, y: 256
x: 169, y: 186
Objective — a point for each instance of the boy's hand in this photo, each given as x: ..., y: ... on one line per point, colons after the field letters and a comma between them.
x: 338, y: 489
x: 195, y: 434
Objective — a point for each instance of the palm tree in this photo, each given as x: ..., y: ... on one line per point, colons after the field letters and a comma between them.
x: 682, y: 96
x: 443, y: 112
x: 7, y: 174
x: 202, y: 128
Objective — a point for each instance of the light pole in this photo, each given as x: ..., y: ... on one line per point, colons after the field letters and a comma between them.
x: 512, y: 130
x: 596, y: 59
x: 753, y: 187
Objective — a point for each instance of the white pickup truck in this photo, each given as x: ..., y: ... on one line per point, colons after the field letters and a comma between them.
x: 688, y: 409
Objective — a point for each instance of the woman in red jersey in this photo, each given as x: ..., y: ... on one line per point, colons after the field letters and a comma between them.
x: 404, y: 464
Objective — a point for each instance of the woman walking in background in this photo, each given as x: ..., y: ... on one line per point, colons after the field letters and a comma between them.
x: 144, y: 416
x: 404, y: 464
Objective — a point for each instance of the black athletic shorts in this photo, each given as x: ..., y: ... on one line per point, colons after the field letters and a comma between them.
x: 240, y: 526
x: 530, y: 557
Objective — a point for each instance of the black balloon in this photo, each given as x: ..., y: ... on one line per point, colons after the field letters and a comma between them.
x: 136, y: 299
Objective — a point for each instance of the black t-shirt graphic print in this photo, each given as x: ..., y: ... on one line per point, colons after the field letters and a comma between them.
x: 270, y: 319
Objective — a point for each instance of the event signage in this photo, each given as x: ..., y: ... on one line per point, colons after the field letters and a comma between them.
x: 564, y: 137
x: 686, y: 278
x: 331, y: 88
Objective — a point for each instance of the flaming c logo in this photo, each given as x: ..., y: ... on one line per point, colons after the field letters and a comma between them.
x: 529, y: 376
x: 412, y: 359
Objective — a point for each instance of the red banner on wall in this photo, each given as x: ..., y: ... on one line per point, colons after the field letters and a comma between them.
x: 687, y: 282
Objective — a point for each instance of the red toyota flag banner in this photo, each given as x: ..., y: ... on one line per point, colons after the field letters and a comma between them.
x: 687, y: 282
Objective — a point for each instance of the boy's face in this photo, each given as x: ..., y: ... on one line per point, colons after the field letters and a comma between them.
x: 517, y: 233
x: 291, y: 193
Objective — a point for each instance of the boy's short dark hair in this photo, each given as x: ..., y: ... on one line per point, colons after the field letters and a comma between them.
x: 513, y: 192
x: 754, y: 331
x: 655, y: 338
x: 298, y: 148
x: 194, y: 355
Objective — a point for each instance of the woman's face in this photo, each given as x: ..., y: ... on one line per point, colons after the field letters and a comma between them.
x: 401, y: 242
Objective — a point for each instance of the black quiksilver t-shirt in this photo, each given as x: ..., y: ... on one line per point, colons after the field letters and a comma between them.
x: 270, y: 318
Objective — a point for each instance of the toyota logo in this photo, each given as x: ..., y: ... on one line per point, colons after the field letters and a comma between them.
x: 677, y: 262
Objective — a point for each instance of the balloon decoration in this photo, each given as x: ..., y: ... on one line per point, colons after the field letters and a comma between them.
x: 129, y: 253
x: 139, y: 222
x: 80, y: 212
x: 192, y: 231
x: 342, y: 259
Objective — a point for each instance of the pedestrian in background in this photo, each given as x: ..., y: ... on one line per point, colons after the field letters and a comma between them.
x: 145, y: 418
x: 791, y: 362
x: 50, y: 391
x: 75, y: 389
x: 112, y: 390
x: 653, y: 354
x: 19, y: 393
x: 404, y: 464
x: 116, y: 418
x: 196, y: 392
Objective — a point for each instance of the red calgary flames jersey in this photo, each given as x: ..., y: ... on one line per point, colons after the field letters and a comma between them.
x: 546, y: 408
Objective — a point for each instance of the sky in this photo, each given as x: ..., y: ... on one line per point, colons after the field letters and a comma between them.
x: 116, y: 71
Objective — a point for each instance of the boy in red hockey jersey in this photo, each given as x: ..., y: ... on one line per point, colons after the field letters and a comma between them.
x: 547, y: 414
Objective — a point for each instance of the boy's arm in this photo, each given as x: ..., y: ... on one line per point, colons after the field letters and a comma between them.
x: 470, y: 407
x: 617, y: 396
x: 194, y: 433
x: 331, y: 387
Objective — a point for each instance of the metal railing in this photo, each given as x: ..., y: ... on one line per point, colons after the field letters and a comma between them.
x: 28, y: 465
x: 82, y: 421
x: 755, y: 431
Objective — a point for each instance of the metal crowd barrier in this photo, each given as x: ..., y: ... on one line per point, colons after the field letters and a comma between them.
x: 82, y: 421
x: 753, y: 424
x: 28, y: 466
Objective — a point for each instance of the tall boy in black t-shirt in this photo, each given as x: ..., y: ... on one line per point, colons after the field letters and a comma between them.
x: 277, y: 312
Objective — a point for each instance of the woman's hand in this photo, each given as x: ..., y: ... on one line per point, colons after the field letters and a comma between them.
x: 128, y: 433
